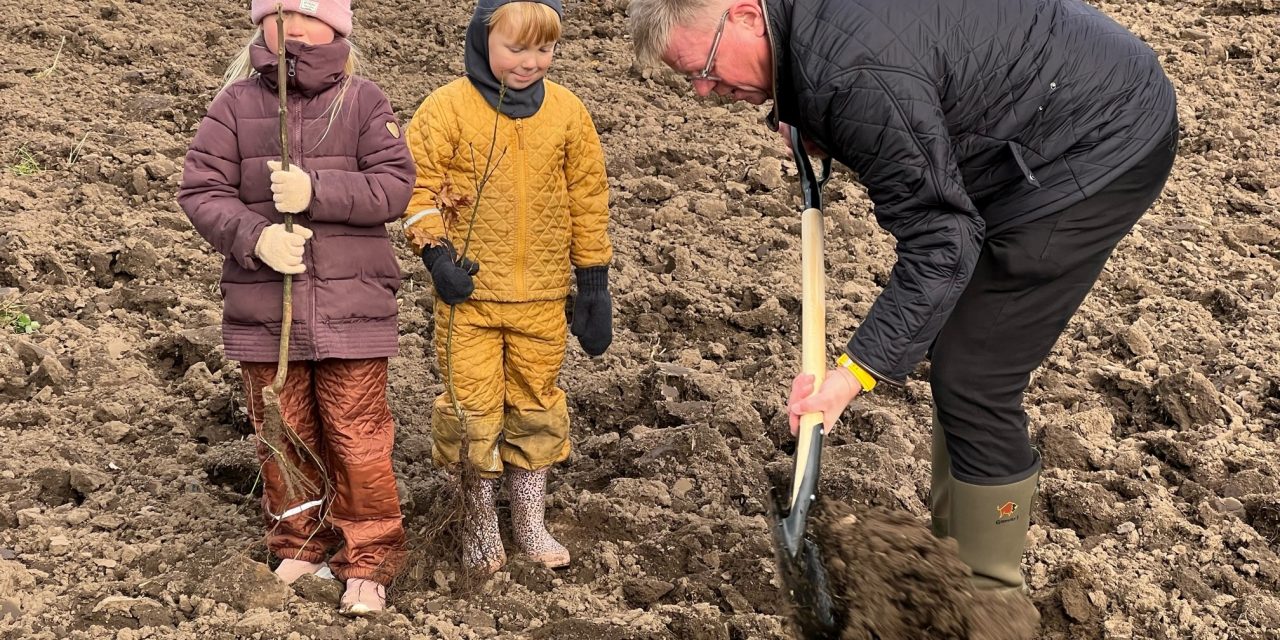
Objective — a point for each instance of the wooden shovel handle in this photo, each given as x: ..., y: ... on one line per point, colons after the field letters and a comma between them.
x: 813, y: 350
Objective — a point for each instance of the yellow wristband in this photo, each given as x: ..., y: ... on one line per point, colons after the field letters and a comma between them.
x: 865, y: 379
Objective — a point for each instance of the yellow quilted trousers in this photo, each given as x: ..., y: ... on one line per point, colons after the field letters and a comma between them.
x: 506, y: 359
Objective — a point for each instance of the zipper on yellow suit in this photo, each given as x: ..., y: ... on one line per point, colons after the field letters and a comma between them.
x: 521, y: 212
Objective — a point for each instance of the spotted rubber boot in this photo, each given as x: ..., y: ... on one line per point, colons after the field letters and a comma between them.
x: 482, y: 550
x: 528, y: 493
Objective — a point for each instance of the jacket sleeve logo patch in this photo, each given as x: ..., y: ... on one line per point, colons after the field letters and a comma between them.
x: 393, y: 129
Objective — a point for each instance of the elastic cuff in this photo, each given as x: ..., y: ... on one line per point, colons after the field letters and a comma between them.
x: 515, y: 458
x: 434, y: 252
x: 303, y: 555
x: 250, y: 260
x: 377, y: 574
x: 413, y: 219
x: 593, y: 277
x: 311, y: 201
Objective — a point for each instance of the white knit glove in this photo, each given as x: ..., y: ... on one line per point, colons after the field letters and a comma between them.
x: 282, y: 250
x: 290, y: 189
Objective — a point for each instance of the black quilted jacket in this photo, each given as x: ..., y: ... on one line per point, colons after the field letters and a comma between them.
x: 961, y: 117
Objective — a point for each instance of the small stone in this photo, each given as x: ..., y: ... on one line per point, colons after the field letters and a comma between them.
x: 1137, y: 339
x: 150, y: 613
x: 162, y: 167
x: 711, y: 208
x: 50, y: 374
x: 116, y: 612
x: 86, y: 481
x: 1075, y: 602
x: 1126, y: 528
x: 244, y: 584
x: 313, y: 588
x: 1190, y: 399
x: 55, y: 486
x: 14, y: 578
x: 107, y: 522
x: 1231, y: 506
x: 256, y: 622
x: 1118, y: 629
x: 10, y: 608
x: 768, y: 173
x: 681, y: 487
x: 478, y: 620
x: 32, y: 517
x: 737, y: 602
x: 59, y: 545
x: 31, y: 353
x: 109, y: 411
x: 140, y: 182
x: 644, y: 592
x: 115, y: 431
x: 138, y: 260
x: 652, y: 189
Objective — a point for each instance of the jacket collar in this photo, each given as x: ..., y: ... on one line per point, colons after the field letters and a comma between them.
x: 312, y: 68
x: 777, y: 21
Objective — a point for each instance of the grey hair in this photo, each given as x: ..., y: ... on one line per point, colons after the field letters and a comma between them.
x: 651, y: 23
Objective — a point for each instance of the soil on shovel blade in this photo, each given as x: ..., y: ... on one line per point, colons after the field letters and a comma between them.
x: 894, y: 580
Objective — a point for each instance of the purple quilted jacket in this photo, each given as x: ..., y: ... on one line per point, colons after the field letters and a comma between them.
x: 362, y: 174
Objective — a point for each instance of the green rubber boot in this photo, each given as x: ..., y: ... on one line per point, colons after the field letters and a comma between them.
x: 940, y: 487
x: 990, y: 522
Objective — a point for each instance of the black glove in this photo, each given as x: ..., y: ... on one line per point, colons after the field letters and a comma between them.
x: 451, y: 275
x: 593, y: 310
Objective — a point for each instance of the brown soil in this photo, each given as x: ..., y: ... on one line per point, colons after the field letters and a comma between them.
x: 126, y: 483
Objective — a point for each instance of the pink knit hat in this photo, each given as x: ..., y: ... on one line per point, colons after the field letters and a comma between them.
x: 335, y: 13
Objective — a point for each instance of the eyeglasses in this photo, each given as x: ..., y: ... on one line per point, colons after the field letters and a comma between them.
x: 705, y: 74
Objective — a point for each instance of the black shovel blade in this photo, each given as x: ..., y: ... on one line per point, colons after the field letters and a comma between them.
x: 799, y: 556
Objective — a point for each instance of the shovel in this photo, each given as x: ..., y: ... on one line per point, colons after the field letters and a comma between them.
x: 804, y: 577
x: 276, y: 431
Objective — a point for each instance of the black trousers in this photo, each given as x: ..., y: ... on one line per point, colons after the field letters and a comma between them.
x: 1029, y: 281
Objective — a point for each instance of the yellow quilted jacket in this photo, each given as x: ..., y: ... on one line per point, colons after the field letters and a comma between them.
x: 545, y: 207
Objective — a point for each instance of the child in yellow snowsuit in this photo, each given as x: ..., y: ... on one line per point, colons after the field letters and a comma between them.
x: 543, y: 210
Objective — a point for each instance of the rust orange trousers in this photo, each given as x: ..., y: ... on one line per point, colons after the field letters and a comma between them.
x: 339, y: 409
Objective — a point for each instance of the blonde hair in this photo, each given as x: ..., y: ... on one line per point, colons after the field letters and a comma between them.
x: 241, y: 67
x: 651, y: 23
x: 529, y: 23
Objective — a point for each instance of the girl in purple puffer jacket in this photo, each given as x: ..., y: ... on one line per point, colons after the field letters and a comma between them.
x: 350, y: 173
